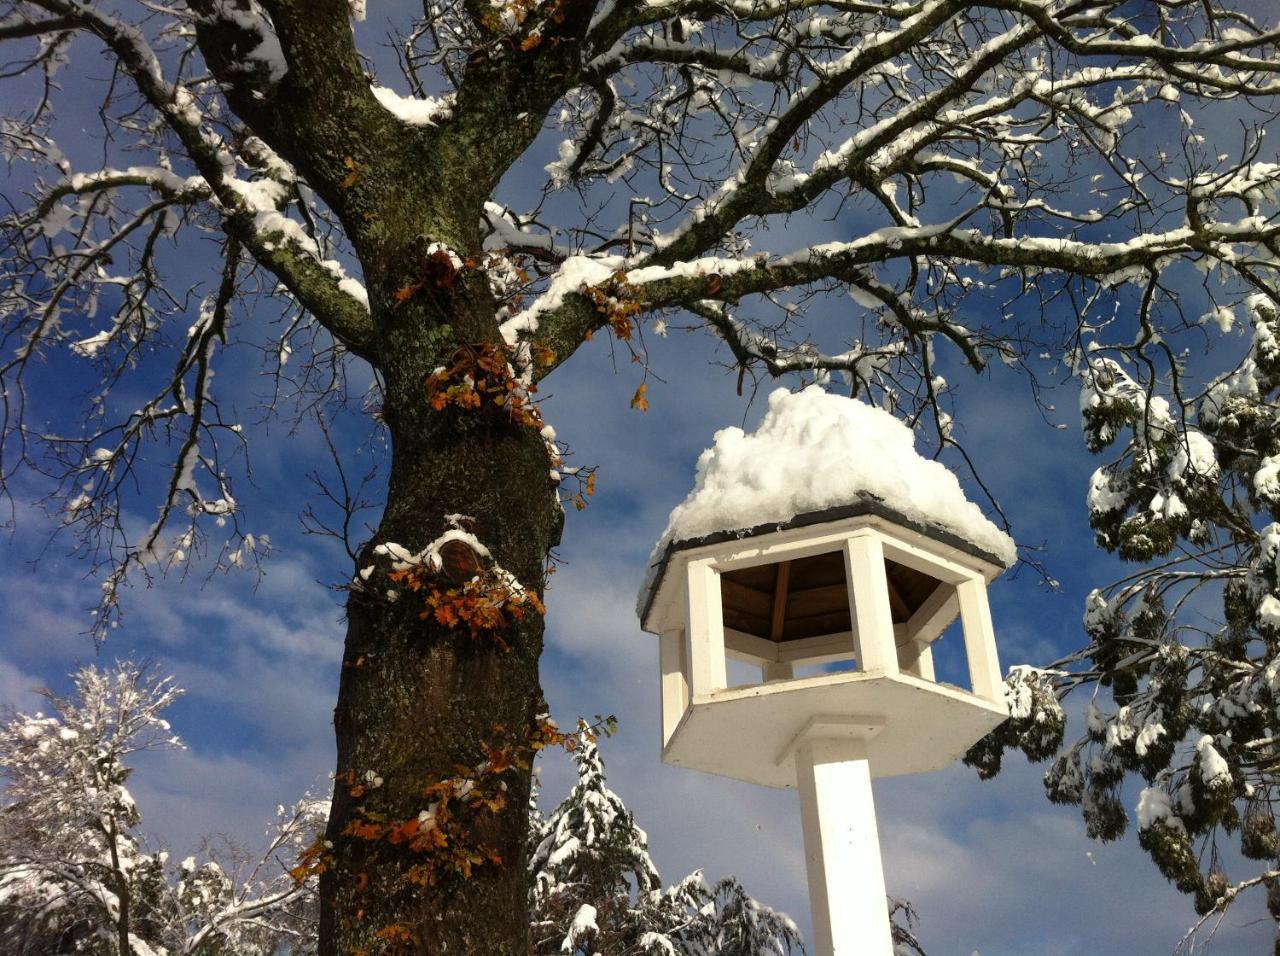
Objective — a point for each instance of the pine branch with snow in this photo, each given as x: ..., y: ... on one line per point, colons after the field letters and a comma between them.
x: 1182, y: 659
x: 593, y: 881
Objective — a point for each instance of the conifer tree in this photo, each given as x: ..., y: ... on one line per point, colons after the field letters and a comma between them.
x: 1181, y: 659
x: 595, y: 888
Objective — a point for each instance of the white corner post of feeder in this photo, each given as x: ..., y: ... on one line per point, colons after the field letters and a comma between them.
x: 865, y: 589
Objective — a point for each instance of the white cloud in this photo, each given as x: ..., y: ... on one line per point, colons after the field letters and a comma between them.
x: 187, y: 796
x: 19, y: 689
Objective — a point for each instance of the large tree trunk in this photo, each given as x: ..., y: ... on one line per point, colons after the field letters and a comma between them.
x: 418, y: 700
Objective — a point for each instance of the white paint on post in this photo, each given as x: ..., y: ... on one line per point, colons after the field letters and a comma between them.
x: 675, y: 686
x: 776, y: 670
x: 935, y: 615
x: 926, y: 560
x: 705, y: 631
x: 869, y: 596
x: 748, y: 648
x: 980, y: 640
x: 916, y: 657
x: 842, y: 850
x: 826, y: 649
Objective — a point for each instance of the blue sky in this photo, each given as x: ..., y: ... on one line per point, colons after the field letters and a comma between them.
x: 260, y: 667
x: 992, y: 867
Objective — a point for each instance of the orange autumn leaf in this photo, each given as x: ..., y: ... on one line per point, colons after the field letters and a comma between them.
x: 439, y: 269
x: 638, y: 401
x: 404, y: 832
x: 364, y: 831
x: 353, y: 173
x: 396, y: 931
x: 500, y: 759
x: 543, y: 354
x: 481, y: 375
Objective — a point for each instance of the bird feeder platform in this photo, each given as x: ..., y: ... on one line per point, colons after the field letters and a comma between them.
x: 860, y: 586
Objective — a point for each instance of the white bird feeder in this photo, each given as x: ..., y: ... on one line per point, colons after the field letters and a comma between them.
x: 824, y: 539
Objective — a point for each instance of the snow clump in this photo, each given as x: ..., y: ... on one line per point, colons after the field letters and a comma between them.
x: 814, y: 451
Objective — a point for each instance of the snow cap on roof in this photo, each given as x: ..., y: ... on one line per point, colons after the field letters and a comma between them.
x: 814, y: 451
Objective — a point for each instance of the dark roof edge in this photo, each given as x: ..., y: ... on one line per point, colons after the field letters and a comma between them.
x: 866, y: 505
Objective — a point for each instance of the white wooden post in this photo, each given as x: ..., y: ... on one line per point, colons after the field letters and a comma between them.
x: 842, y: 849
x: 980, y: 639
x: 935, y: 615
x: 777, y: 670
x: 675, y: 686
x: 704, y: 633
x: 869, y: 597
x: 916, y: 657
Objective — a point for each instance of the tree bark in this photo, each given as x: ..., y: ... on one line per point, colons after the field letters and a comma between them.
x: 419, y: 700
x: 122, y: 891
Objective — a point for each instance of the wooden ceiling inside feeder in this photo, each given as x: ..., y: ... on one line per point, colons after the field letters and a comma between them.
x: 809, y: 597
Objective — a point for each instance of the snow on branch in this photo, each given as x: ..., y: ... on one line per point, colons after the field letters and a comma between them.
x: 705, y: 285
x: 87, y: 264
x: 73, y: 871
x: 938, y: 162
x: 249, y: 210
x: 961, y: 117
x: 1178, y: 658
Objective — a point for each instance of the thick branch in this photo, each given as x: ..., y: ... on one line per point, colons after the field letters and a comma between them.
x: 301, y: 273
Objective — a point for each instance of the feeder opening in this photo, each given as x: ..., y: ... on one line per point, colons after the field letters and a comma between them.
x: 802, y: 607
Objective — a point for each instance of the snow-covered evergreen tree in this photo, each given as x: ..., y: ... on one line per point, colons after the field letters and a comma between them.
x: 74, y: 877
x: 1182, y: 660
x: 590, y: 848
x: 71, y: 873
x: 595, y: 889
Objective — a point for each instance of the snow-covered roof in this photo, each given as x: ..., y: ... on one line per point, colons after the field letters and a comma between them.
x: 816, y: 454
